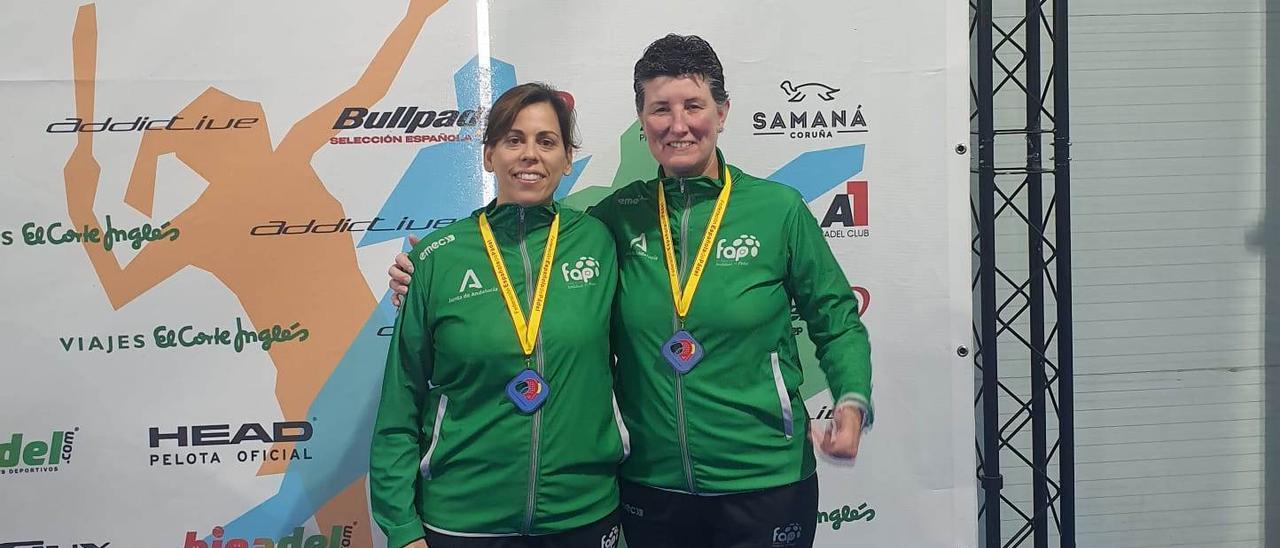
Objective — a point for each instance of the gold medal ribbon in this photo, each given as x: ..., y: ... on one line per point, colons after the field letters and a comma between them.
x: 527, y: 333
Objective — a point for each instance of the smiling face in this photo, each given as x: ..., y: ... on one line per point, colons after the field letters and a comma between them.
x: 681, y: 123
x: 529, y: 160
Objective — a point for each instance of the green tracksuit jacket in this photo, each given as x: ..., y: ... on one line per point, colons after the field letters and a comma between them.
x: 736, y: 422
x: 449, y: 448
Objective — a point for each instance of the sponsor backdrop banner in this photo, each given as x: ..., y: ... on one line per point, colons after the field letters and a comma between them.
x: 201, y: 200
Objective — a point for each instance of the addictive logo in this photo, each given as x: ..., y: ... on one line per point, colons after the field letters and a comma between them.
x: 581, y: 273
x: 41, y: 544
x: 214, y: 435
x: 338, y: 537
x: 850, y: 210
x: 283, y: 228
x: 816, y: 123
x: 786, y: 535
x: 744, y: 247
x: 146, y: 123
x: 36, y: 455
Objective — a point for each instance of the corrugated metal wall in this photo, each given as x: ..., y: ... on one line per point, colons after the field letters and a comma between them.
x: 1167, y: 163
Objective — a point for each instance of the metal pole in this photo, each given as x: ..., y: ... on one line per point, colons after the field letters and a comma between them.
x: 990, y: 475
x: 1035, y: 273
x: 1062, y: 218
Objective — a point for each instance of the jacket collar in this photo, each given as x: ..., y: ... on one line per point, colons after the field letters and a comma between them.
x: 699, y: 180
x: 509, y: 216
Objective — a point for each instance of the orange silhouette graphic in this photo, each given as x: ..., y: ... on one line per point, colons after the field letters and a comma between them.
x: 311, y: 279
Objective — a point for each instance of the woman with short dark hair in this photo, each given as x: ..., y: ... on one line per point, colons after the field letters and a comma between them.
x: 708, y: 371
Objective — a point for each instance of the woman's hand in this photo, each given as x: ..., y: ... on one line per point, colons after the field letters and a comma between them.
x: 840, y: 438
x: 420, y: 543
x: 401, y: 272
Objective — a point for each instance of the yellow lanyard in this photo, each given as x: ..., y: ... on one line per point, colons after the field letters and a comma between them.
x: 683, y: 299
x: 526, y: 333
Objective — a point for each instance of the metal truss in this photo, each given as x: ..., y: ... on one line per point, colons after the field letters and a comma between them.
x: 1022, y: 296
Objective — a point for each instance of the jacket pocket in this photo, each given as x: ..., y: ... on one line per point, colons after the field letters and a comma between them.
x: 784, y: 398
x: 425, y: 466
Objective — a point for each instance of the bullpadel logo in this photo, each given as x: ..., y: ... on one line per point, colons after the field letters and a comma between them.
x: 34, y: 454
x: 405, y: 122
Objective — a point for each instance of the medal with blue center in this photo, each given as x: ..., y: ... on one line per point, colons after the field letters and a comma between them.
x: 527, y: 390
x: 683, y: 351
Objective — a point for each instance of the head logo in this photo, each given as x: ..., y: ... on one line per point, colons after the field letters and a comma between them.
x: 744, y: 247
x: 610, y: 539
x: 36, y: 455
x: 213, y: 435
x: 850, y: 210
x: 470, y: 281
x: 582, y: 272
x: 795, y: 94
x: 786, y: 535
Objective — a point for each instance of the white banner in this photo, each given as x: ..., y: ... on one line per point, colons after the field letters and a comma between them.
x: 203, y: 366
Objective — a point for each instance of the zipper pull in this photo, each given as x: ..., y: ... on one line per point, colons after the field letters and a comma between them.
x: 682, y: 185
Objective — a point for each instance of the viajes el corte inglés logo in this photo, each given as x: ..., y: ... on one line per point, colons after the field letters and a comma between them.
x: 837, y: 517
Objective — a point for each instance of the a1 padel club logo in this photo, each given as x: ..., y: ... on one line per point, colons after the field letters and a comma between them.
x: 848, y: 215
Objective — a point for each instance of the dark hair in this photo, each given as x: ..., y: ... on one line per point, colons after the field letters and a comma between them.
x: 675, y: 55
x: 504, y: 111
